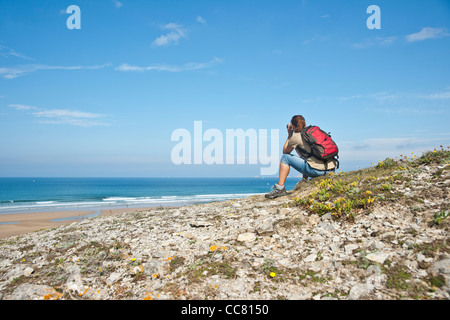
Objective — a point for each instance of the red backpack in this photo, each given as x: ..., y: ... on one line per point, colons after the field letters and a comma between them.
x: 322, y: 146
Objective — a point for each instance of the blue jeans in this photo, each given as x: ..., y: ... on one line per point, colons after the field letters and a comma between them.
x: 301, y: 166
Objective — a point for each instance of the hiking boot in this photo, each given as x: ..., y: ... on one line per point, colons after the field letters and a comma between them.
x: 276, y: 193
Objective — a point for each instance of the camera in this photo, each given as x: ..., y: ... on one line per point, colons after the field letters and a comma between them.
x: 288, y: 126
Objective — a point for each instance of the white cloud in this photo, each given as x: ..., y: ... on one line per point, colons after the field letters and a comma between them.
x: 377, y: 41
x: 14, y: 72
x: 75, y: 122
x: 438, y: 96
x: 395, y: 101
x: 381, y: 95
x: 117, y: 4
x: 63, y: 116
x: 380, y: 148
x: 21, y: 107
x: 427, y: 33
x: 61, y: 113
x: 173, y: 36
x: 309, y: 40
x: 127, y: 67
x: 408, y: 110
x: 442, y: 95
x: 76, y: 118
x: 170, y: 68
x: 201, y: 20
x: 388, y: 94
x: 9, y: 52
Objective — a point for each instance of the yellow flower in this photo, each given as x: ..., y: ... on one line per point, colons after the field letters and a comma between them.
x: 215, y: 247
x: 147, y: 296
x: 273, y: 274
x: 134, y: 259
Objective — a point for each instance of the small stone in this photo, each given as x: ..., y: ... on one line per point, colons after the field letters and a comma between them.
x: 377, y: 245
x: 294, y: 296
x: 350, y: 248
x: 200, y: 224
x: 187, y: 235
x: 441, y: 267
x: 334, y: 247
x: 374, y: 269
x: 358, y: 291
x: 28, y: 291
x: 152, y: 266
x: 246, y: 237
x: 114, y: 277
x: 327, y: 216
x: 283, y: 211
x: 313, y: 220
x: 298, y: 296
x: 310, y: 258
x: 159, y: 254
x: 28, y: 271
x: 326, y: 226
x: 265, y: 228
x: 378, y: 257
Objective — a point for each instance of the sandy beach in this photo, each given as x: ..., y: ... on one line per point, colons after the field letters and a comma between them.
x: 21, y: 223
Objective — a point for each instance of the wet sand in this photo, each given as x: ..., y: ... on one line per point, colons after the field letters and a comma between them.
x: 21, y: 223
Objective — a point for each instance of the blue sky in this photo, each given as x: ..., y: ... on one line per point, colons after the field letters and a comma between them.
x: 104, y: 100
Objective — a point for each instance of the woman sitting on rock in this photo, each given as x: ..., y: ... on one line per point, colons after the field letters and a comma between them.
x: 308, y: 165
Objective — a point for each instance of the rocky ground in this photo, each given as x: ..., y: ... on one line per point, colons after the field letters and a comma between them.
x: 377, y: 233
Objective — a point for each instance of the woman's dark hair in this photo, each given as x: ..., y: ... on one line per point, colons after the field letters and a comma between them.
x: 298, y: 122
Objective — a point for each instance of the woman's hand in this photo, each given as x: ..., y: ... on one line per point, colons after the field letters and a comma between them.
x: 290, y: 130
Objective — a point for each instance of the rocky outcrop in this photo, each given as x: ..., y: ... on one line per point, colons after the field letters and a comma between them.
x: 250, y: 248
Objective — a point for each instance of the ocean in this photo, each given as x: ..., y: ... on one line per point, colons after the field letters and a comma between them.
x: 26, y: 195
